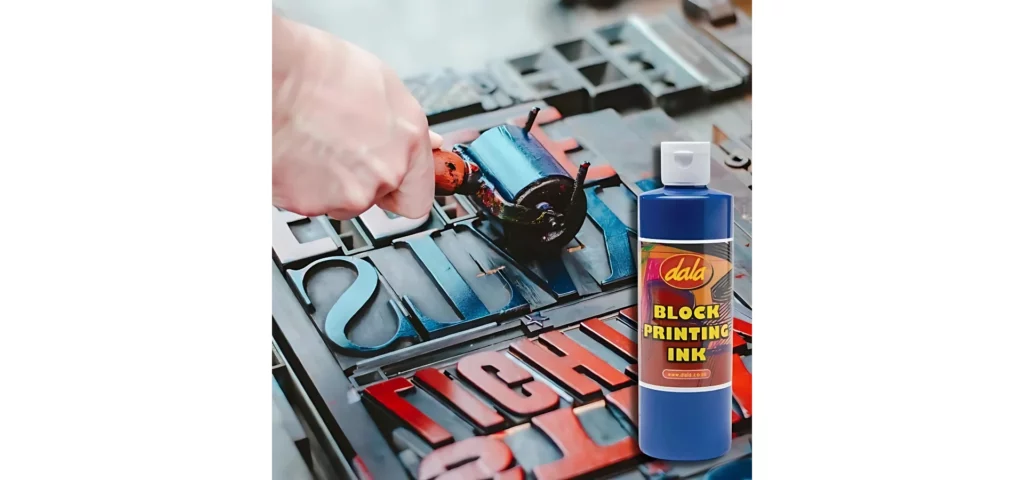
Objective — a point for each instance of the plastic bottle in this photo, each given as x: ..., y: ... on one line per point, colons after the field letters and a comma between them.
x: 685, y: 310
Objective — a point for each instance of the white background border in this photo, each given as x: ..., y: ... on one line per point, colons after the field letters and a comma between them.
x: 136, y: 173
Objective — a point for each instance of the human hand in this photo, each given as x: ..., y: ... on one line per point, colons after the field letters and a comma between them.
x: 347, y: 134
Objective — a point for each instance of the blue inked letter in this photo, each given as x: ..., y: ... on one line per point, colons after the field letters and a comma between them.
x: 616, y: 240
x: 351, y: 301
x: 461, y: 297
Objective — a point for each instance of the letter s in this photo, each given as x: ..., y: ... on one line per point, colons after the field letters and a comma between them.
x: 351, y: 301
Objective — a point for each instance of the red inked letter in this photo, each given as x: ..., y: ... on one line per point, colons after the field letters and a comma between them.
x: 742, y: 327
x: 491, y: 456
x: 545, y: 116
x: 735, y: 418
x: 625, y: 401
x: 610, y: 337
x: 564, y: 369
x: 580, y: 455
x: 361, y: 470
x: 654, y: 469
x: 483, y: 416
x: 741, y: 385
x: 389, y: 394
x: 495, y: 374
x: 514, y: 474
x: 630, y: 313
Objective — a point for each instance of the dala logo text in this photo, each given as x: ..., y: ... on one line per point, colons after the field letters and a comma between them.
x: 686, y: 271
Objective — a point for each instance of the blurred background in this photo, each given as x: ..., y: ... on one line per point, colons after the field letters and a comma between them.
x: 420, y: 36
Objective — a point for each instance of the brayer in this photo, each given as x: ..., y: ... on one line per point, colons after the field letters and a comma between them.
x: 515, y: 181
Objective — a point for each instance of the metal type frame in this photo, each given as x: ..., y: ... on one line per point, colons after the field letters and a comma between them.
x: 324, y: 381
x: 324, y: 454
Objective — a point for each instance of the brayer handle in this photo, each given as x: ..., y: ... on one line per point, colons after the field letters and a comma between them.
x: 453, y: 174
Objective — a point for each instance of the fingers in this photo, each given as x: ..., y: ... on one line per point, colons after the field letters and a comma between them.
x: 343, y: 214
x: 415, y: 196
x: 354, y: 197
x: 398, y: 204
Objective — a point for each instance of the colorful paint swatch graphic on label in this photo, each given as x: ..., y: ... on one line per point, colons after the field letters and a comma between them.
x: 685, y: 324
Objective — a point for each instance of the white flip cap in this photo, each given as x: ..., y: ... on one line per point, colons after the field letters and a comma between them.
x: 685, y: 163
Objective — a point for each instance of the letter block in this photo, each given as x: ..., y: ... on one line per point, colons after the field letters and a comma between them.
x: 487, y: 458
x: 580, y: 455
x: 564, y: 369
x: 483, y: 417
x: 495, y: 375
x: 389, y: 394
x: 351, y: 305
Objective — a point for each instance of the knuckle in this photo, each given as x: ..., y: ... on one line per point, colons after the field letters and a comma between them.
x: 304, y: 207
x: 391, y: 178
x: 420, y: 123
x: 360, y: 199
x: 422, y: 128
x: 392, y: 182
x: 415, y: 125
x: 341, y: 215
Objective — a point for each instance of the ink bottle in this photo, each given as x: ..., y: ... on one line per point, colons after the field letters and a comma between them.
x: 685, y: 310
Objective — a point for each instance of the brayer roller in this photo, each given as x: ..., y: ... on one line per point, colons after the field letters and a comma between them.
x: 514, y: 180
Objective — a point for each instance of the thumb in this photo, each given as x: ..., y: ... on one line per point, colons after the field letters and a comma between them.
x: 435, y: 140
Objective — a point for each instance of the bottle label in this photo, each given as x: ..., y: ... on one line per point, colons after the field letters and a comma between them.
x: 685, y: 308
